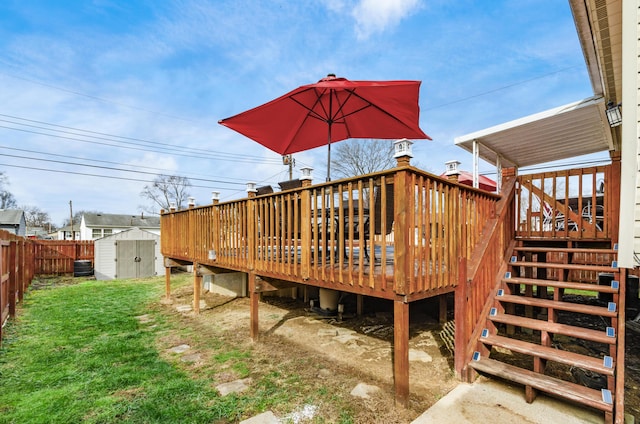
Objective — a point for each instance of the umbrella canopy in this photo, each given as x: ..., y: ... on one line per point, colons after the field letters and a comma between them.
x: 333, y: 109
x: 485, y: 183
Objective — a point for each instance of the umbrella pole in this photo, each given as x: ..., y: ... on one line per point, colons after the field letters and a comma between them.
x: 329, y: 155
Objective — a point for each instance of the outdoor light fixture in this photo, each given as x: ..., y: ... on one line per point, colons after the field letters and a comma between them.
x: 402, y: 147
x: 172, y: 206
x: 614, y: 114
x: 251, y: 187
x: 192, y: 201
x: 306, y: 173
x: 452, y: 167
x: 215, y: 195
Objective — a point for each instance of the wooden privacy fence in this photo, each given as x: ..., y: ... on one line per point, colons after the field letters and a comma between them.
x: 57, y: 257
x: 396, y: 232
x: 16, y: 273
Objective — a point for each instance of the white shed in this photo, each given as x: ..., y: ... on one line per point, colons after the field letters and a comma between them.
x: 132, y: 253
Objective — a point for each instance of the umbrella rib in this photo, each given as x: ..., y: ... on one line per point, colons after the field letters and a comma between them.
x: 330, y: 117
x: 392, y: 116
x: 311, y: 109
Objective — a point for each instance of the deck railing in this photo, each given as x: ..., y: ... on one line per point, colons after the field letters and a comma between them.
x: 572, y: 204
x: 396, y: 232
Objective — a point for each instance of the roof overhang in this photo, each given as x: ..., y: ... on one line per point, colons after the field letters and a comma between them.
x: 599, y: 27
x: 560, y: 133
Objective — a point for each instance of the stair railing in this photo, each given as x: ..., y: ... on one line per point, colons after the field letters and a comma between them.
x: 479, y: 277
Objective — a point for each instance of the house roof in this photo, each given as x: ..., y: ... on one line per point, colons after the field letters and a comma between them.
x: 105, y: 220
x: 128, y: 232
x: 575, y: 129
x: 76, y: 229
x: 578, y: 128
x: 599, y: 27
x: 11, y: 216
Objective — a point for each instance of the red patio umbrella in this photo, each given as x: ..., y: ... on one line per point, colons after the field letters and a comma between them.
x: 333, y: 109
x: 485, y: 183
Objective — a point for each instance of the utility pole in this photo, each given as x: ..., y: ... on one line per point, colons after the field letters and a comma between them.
x: 73, y: 234
x: 289, y: 160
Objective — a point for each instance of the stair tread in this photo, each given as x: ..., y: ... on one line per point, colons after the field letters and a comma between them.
x: 550, y: 353
x: 554, y: 327
x: 561, y: 284
x: 538, y: 249
x: 563, y: 306
x: 545, y: 383
x: 556, y: 265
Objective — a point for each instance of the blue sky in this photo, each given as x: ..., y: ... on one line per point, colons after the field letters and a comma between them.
x: 140, y: 85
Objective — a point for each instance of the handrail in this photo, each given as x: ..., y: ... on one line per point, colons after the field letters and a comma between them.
x: 572, y: 204
x: 478, y: 276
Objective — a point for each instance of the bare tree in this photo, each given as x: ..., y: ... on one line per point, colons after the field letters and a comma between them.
x: 165, y: 190
x: 36, y: 217
x: 359, y: 157
x: 7, y: 201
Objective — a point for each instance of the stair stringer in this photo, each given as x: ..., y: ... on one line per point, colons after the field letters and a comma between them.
x: 468, y: 374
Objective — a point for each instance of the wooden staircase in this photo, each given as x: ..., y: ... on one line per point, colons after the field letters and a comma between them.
x: 553, y: 328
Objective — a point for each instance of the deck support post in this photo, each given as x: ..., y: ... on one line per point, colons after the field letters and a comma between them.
x: 463, y: 332
x: 618, y: 409
x: 359, y: 304
x: 167, y: 282
x: 197, y: 288
x: 401, y: 351
x: 442, y: 315
x: 254, y: 297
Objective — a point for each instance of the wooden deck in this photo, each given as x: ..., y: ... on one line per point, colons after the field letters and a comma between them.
x: 401, y: 234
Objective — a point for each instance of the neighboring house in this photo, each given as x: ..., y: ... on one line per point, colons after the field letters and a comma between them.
x: 97, y: 225
x: 38, y: 233
x: 13, y: 220
x: 64, y: 233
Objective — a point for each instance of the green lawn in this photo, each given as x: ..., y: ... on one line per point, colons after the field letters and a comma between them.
x: 78, y: 353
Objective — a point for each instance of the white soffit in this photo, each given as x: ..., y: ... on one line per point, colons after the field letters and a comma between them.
x: 567, y: 131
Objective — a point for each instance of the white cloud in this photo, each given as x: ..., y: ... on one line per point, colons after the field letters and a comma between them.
x: 374, y: 16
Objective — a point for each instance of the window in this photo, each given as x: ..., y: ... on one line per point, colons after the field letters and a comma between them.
x: 108, y: 231
x: 96, y: 233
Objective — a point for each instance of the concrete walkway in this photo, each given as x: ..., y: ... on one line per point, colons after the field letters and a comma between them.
x: 492, y: 402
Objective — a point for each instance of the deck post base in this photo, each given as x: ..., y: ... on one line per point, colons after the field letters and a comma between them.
x: 254, y: 297
x: 167, y: 283
x: 197, y: 289
x: 529, y: 394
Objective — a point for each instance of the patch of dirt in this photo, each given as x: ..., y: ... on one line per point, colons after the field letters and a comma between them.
x: 45, y: 282
x: 336, y: 355
x: 327, y: 354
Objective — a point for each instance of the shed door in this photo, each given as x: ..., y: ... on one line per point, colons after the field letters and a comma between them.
x: 147, y: 258
x: 135, y: 258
